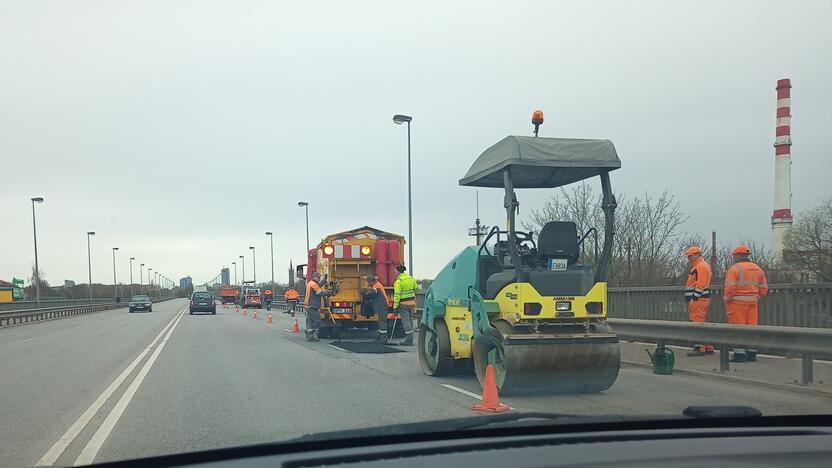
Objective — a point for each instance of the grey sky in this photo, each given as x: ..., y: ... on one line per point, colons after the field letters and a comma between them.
x: 182, y: 131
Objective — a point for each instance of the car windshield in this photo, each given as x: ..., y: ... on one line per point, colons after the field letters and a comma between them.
x: 583, y: 208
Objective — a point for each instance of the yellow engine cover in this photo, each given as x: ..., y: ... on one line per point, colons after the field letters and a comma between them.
x: 461, y: 330
x: 513, y: 298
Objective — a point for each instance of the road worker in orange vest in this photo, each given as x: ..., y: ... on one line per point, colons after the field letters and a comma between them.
x: 377, y: 298
x: 698, y: 294
x: 745, y: 284
x: 291, y: 297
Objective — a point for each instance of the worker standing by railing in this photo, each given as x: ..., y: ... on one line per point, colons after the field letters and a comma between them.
x: 745, y: 284
x: 698, y: 294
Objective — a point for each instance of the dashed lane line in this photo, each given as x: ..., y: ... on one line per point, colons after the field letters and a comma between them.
x: 58, y: 448
x: 87, y: 455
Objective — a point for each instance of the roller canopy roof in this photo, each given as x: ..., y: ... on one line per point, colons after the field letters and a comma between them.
x: 541, y: 162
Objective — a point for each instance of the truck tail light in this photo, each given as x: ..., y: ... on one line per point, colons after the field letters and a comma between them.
x: 365, y: 250
x: 328, y: 251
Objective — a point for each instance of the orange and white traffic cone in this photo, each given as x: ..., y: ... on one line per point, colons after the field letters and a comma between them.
x: 254, y: 314
x: 270, y: 319
x: 245, y: 311
x: 490, y: 400
x: 295, y: 328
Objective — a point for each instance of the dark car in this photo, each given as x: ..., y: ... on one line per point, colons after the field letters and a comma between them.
x: 203, y: 301
x: 140, y: 302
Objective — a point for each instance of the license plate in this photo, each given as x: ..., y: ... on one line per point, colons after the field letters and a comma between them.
x: 342, y: 311
x: 557, y: 264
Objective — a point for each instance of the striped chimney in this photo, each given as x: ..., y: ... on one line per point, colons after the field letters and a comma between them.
x: 781, y: 219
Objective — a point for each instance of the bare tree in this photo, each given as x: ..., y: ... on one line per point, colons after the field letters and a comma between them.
x: 645, y: 251
x: 808, y: 243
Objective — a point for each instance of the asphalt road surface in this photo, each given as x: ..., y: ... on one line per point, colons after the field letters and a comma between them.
x: 113, y: 385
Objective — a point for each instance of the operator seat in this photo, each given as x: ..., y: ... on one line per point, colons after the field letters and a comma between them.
x: 559, y: 240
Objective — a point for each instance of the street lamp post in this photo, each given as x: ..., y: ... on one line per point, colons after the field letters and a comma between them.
x: 254, y: 264
x: 243, y: 261
x: 235, y: 272
x: 271, y: 247
x: 141, y: 278
x: 115, y: 288
x: 398, y: 120
x: 131, y: 276
x: 149, y: 282
x: 305, y: 206
x: 89, y: 261
x: 35, y: 234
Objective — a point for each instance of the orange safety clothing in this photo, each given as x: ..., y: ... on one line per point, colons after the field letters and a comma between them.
x: 290, y: 294
x: 745, y: 281
x: 742, y: 313
x: 699, y: 278
x: 379, y: 287
x: 317, y: 300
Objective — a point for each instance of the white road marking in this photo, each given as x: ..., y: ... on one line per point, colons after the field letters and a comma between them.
x: 287, y: 330
x: 63, y: 442
x: 466, y: 393
x: 28, y: 339
x: 339, y: 349
x: 76, y: 326
x: 89, y: 453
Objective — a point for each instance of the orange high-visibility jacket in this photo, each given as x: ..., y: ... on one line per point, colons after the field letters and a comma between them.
x: 290, y: 293
x: 745, y: 281
x: 317, y: 300
x: 699, y: 278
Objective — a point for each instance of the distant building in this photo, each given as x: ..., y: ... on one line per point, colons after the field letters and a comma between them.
x: 69, y: 284
x: 226, y: 276
x: 186, y: 282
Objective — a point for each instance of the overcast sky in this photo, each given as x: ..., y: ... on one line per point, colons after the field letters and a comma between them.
x: 181, y: 131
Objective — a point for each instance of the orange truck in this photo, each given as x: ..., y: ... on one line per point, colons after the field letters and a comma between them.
x: 344, y: 260
x: 229, y: 294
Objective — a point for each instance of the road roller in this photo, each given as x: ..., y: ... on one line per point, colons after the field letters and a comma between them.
x: 533, y: 306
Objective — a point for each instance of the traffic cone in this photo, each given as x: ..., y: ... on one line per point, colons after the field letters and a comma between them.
x: 270, y: 319
x: 295, y: 328
x: 245, y: 311
x: 490, y: 400
x: 254, y: 314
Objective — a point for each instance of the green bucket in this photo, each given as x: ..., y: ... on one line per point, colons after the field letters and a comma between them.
x: 663, y: 360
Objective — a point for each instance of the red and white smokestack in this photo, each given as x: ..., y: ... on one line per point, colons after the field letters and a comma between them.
x: 781, y: 219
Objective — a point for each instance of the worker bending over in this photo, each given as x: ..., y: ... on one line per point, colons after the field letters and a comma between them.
x: 377, y: 298
x: 404, y: 302
x: 745, y: 284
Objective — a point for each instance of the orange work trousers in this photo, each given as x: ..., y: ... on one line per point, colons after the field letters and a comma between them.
x: 698, y: 309
x: 742, y: 312
x: 698, y: 312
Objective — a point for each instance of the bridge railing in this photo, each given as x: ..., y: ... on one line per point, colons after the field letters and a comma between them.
x: 16, y: 317
x: 786, y: 305
x: 807, y: 342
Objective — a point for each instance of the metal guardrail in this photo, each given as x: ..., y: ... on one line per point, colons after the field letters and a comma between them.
x: 17, y: 317
x: 44, y: 303
x: 805, y: 341
x: 786, y: 305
